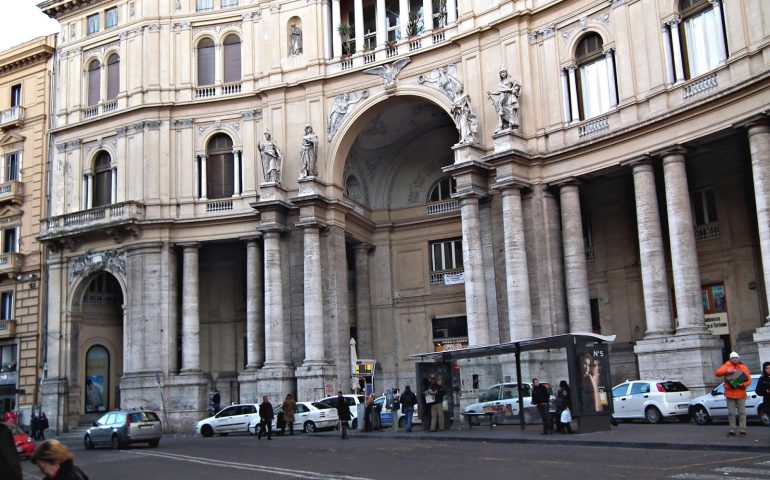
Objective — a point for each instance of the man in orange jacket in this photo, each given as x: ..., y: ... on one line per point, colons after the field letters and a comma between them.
x: 737, y: 379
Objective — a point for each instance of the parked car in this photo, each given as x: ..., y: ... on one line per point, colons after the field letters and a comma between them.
x: 119, y: 429
x: 386, y: 414
x: 24, y: 444
x: 502, y: 400
x: 651, y: 400
x: 308, y: 417
x: 706, y: 408
x: 353, y: 401
x: 235, y: 418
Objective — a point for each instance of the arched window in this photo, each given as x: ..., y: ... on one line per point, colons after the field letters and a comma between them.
x: 701, y: 36
x: 595, y: 76
x: 97, y: 379
x: 94, y: 82
x: 206, y: 65
x: 113, y: 76
x: 443, y: 190
x: 232, y: 59
x: 219, y: 167
x: 102, y: 180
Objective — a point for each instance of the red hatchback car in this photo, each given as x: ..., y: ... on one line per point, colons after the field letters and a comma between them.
x: 24, y: 444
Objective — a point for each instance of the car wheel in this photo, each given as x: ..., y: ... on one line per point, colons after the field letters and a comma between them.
x: 402, y: 422
x: 309, y: 427
x: 154, y: 443
x: 652, y: 414
x: 683, y: 418
x: 207, y: 431
x: 116, y: 445
x: 88, y: 443
x: 701, y: 416
x: 355, y: 424
x: 763, y: 415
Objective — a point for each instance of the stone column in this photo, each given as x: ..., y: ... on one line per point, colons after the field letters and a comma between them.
x: 657, y: 307
x: 759, y: 146
x: 358, y: 28
x: 380, y: 23
x: 610, y: 56
x: 475, y: 293
x: 190, y: 310
x: 313, y: 296
x: 90, y: 190
x: 363, y: 301
x: 255, y: 327
x: 204, y: 180
x: 565, y: 96
x: 114, y: 185
x: 576, y: 276
x: 670, y: 78
x: 516, y: 269
x: 575, y: 111
x: 236, y: 173
x: 275, y: 351
x: 684, y: 256
x: 403, y: 17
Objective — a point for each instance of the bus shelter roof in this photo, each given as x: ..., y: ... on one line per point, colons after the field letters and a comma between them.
x: 542, y: 343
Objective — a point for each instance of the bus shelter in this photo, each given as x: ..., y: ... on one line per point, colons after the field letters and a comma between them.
x: 588, y: 366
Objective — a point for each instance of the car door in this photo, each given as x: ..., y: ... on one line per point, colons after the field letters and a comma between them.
x: 222, y: 421
x: 716, y: 403
x: 100, y: 432
x: 636, y: 400
x: 752, y: 399
x: 245, y: 415
x: 301, y: 415
x: 619, y: 399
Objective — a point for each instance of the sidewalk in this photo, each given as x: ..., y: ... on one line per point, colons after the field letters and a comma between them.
x: 669, y: 436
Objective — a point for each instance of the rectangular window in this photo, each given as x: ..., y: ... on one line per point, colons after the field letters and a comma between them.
x: 594, y: 88
x: 6, y: 304
x: 10, y: 243
x: 446, y: 255
x: 700, y: 37
x: 704, y: 207
x: 111, y: 18
x: 16, y: 96
x: 8, y: 358
x: 204, y: 5
x: 93, y: 23
x: 229, y: 3
x: 11, y: 167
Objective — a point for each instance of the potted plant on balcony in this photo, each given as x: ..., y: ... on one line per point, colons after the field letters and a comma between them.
x: 413, y: 27
x: 345, y: 30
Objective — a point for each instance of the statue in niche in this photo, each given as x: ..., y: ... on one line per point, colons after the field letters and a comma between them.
x: 272, y: 159
x: 296, y: 39
x: 309, y: 153
x: 464, y: 118
x: 340, y: 108
x: 506, y: 102
x: 389, y: 72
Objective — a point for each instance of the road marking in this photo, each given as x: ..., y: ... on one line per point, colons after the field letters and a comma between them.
x: 700, y: 476
x: 752, y: 471
x: 247, y: 466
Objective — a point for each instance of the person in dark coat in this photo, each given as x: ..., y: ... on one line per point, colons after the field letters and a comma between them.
x: 265, y: 418
x: 541, y: 399
x: 34, y: 423
x: 42, y: 426
x: 424, y: 405
x: 563, y: 402
x: 343, y: 413
x: 408, y: 401
x: 763, y: 388
x: 10, y: 468
x: 55, y: 461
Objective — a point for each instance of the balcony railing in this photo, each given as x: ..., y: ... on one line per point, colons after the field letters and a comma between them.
x: 10, y: 263
x: 7, y: 328
x: 12, y: 192
x: 439, y: 208
x: 215, y: 206
x: 448, y: 277
x: 594, y: 126
x: 11, y: 117
x: 100, y: 108
x: 211, y: 91
x: 707, y: 231
x: 700, y: 86
x: 93, y: 219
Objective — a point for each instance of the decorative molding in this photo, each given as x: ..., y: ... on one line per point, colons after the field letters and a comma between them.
x: 255, y: 114
x: 246, y: 17
x: 216, y: 28
x: 275, y: 8
x: 61, y: 147
x: 138, y: 127
x: 180, y: 27
x: 153, y: 28
x: 92, y: 262
x: 389, y: 72
x: 74, y: 144
x: 100, y: 50
x: 445, y: 79
x: 153, y: 125
x: 542, y: 33
x: 235, y: 126
x: 180, y: 123
x: 121, y: 131
x: 341, y: 105
x: 131, y: 10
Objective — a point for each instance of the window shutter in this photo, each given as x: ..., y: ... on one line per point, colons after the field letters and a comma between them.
x: 206, y: 62
x: 102, y: 180
x: 232, y: 54
x: 93, y: 83
x: 113, y: 77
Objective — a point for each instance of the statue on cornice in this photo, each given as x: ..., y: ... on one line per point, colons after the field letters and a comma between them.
x: 272, y: 159
x: 463, y: 116
x: 506, y: 102
x: 309, y: 153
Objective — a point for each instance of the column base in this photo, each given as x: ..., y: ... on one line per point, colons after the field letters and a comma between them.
x: 690, y: 358
x: 275, y: 382
x: 249, y: 386
x: 186, y: 398
x: 141, y: 390
x: 315, y: 382
x: 508, y: 140
x: 54, y: 401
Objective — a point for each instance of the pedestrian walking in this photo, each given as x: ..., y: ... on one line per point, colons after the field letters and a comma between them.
x: 437, y: 405
x: 408, y: 401
x: 42, y: 426
x: 287, y: 408
x: 541, y: 399
x: 343, y: 413
x: 265, y: 418
x: 55, y: 461
x: 737, y: 378
x: 763, y: 387
x: 34, y: 425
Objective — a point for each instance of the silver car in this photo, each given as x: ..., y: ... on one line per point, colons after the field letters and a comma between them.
x: 119, y: 429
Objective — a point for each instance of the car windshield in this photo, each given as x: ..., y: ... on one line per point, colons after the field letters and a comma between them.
x: 320, y: 405
x: 673, y: 387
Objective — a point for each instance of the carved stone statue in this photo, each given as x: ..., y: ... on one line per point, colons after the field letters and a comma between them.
x: 296, y: 39
x: 339, y: 109
x: 389, y: 72
x: 309, y: 153
x: 463, y: 116
x: 272, y: 159
x: 506, y: 102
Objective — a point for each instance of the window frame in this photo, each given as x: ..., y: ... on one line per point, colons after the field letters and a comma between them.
x: 6, y: 305
x: 12, y: 166
x: 16, y: 97
x: 93, y: 23
x: 108, y: 14
x: 694, y: 39
x: 455, y: 251
x: 10, y: 239
x: 592, y: 70
x: 204, y: 5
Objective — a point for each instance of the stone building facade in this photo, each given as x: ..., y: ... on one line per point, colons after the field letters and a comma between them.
x: 239, y: 187
x: 25, y: 86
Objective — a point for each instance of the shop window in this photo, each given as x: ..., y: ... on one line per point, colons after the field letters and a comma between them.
x: 714, y: 298
x: 8, y: 358
x: 97, y: 379
x: 450, y: 333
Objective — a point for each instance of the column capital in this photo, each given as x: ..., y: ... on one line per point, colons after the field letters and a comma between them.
x: 673, y: 150
x: 634, y: 162
x: 757, y: 120
x: 310, y: 223
x: 252, y: 238
x: 189, y: 244
x: 363, y: 246
x: 506, y: 185
x: 272, y: 230
x: 566, y: 182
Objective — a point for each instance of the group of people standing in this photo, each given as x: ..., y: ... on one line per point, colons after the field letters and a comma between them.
x: 285, y: 417
x: 562, y: 421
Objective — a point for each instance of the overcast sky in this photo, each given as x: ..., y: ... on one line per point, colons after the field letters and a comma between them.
x: 21, y: 21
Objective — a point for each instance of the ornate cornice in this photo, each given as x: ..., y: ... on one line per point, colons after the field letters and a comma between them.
x: 84, y: 265
x: 26, y: 58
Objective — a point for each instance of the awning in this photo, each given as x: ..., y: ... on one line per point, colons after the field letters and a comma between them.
x: 542, y: 343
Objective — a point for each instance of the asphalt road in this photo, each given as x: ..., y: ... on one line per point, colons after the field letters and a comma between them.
x: 374, y: 456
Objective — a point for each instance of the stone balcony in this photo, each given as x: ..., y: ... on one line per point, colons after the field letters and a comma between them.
x: 117, y: 220
x: 7, y: 328
x: 10, y: 263
x: 12, y: 117
x: 12, y: 192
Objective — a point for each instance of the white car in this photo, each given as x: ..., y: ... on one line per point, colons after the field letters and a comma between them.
x: 353, y: 401
x: 706, y: 408
x: 651, y: 400
x: 503, y: 401
x: 235, y: 418
x: 308, y: 417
